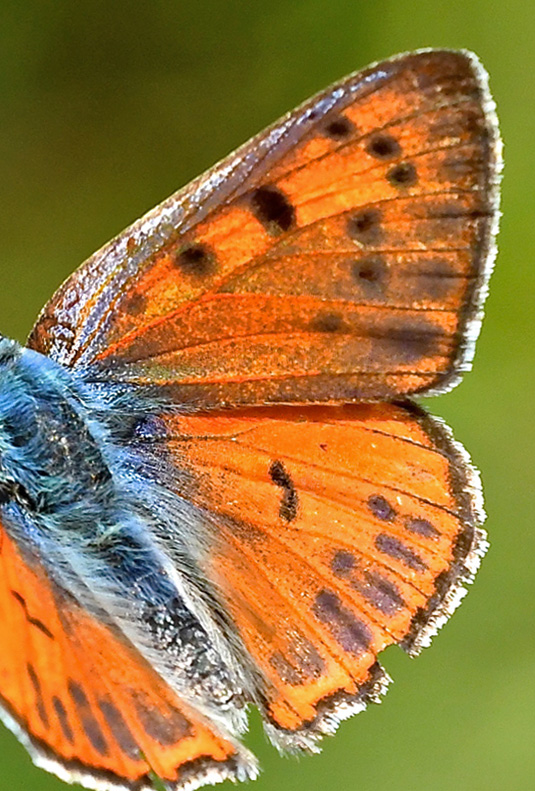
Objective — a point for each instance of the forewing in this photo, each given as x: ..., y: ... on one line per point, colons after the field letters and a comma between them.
x: 85, y: 704
x: 342, y: 254
x: 337, y: 532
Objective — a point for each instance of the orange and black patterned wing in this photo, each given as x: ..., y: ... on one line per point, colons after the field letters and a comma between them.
x: 338, y: 532
x: 86, y: 705
x: 340, y: 255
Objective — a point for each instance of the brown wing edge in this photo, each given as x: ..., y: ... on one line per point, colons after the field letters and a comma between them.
x: 485, y: 254
x: 450, y: 588
x: 331, y: 711
x: 471, y: 543
x: 193, y: 775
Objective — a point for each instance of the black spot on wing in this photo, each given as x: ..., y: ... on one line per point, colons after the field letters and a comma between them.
x: 327, y: 322
x: 118, y: 726
x: 381, y: 508
x: 63, y: 718
x: 350, y: 632
x: 273, y: 210
x: 33, y: 621
x: 166, y: 728
x: 196, y: 260
x: 340, y: 128
x: 290, y: 501
x: 365, y: 226
x: 87, y: 719
x: 371, y: 275
x: 402, y: 175
x: 39, y: 700
x: 422, y: 527
x: 342, y: 563
x: 382, y: 593
x: 396, y: 549
x: 383, y: 147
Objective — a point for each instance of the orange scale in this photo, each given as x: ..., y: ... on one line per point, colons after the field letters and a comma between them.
x: 268, y: 626
x: 259, y: 504
x: 323, y: 178
x: 268, y: 357
x: 378, y: 109
x: 316, y: 147
x: 298, y: 583
x: 374, y: 448
x: 356, y: 528
x: 235, y: 236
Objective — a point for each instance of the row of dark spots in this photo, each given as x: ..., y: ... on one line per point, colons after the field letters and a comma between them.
x: 382, y: 147
x: 59, y: 708
x: 382, y: 509
x: 392, y: 546
x: 379, y: 591
x: 276, y: 213
x: 269, y: 205
x: 350, y: 632
x: 166, y: 728
x: 413, y: 341
x: 87, y: 719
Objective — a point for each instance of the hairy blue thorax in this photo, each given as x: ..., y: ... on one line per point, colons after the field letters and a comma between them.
x: 49, y: 459
x: 76, y: 497
x: 60, y: 474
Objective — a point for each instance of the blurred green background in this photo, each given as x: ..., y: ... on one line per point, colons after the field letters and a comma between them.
x: 105, y: 109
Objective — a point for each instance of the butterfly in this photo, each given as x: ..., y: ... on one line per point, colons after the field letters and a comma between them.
x: 216, y: 490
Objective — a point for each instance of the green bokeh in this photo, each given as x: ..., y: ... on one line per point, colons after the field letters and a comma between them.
x: 105, y: 109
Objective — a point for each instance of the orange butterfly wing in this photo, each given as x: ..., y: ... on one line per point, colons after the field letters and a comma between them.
x: 338, y: 531
x: 86, y: 705
x: 339, y: 255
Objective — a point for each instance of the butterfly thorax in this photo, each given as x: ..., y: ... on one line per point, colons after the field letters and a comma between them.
x: 66, y: 501
x: 49, y: 461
